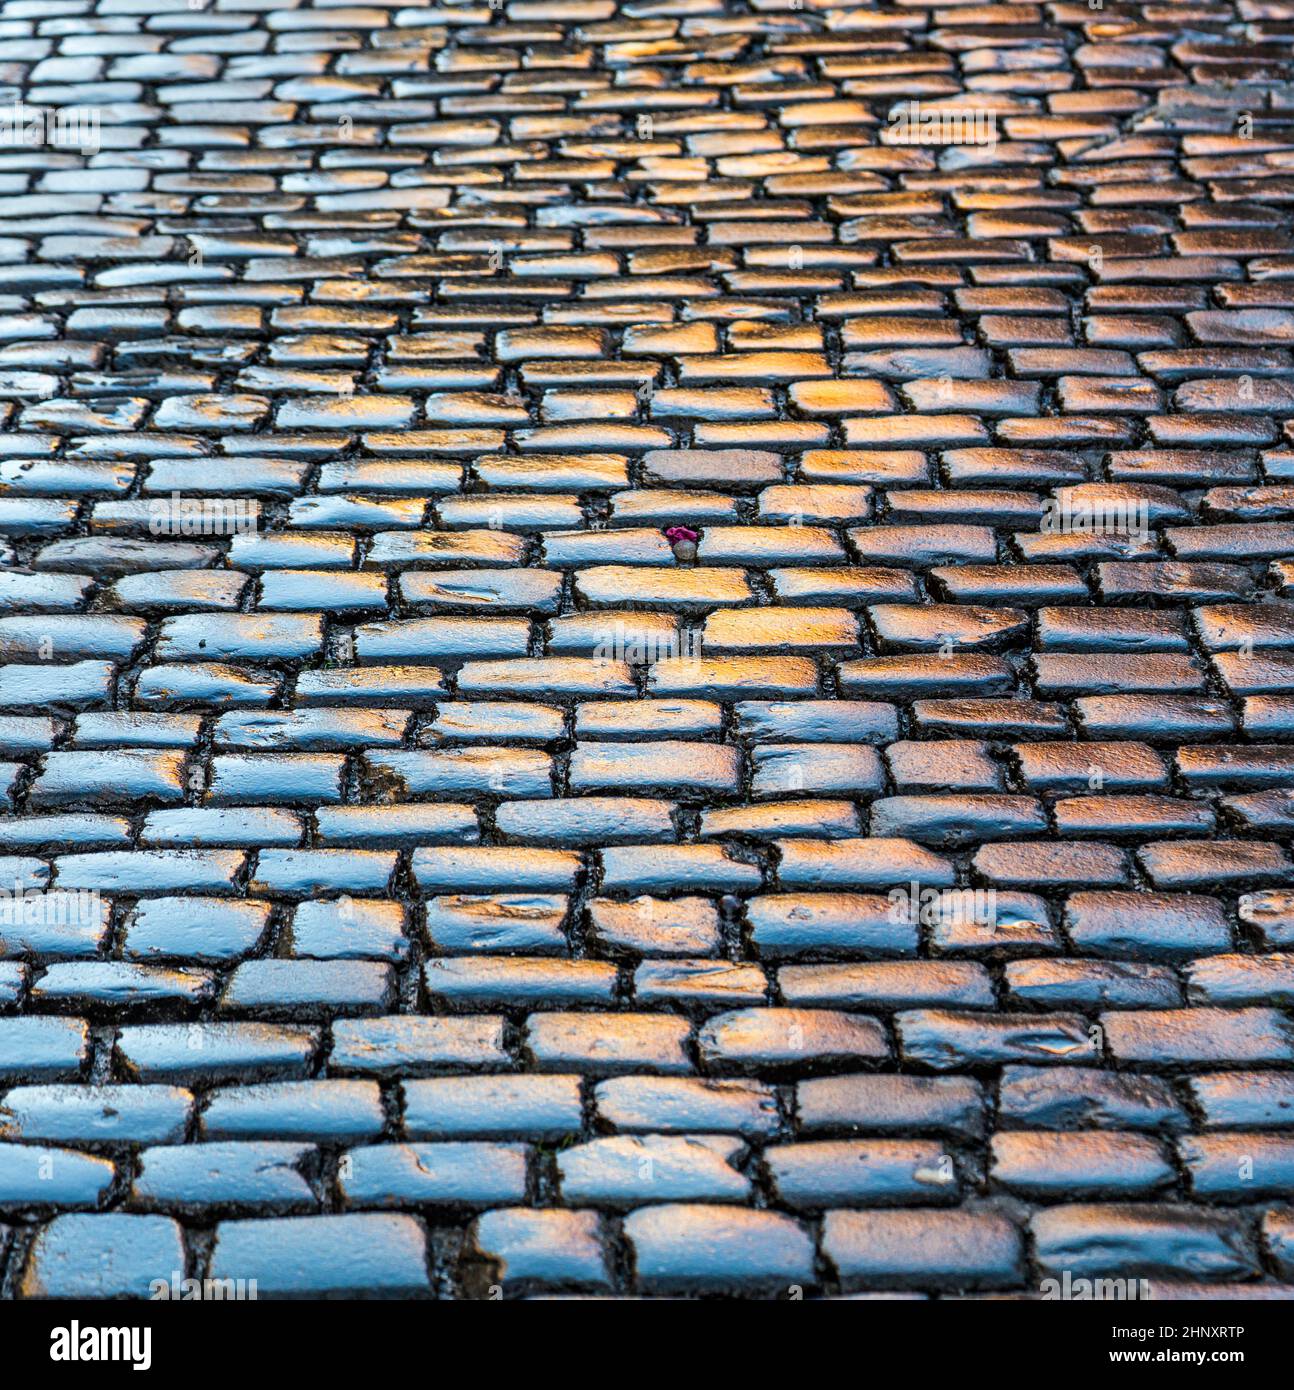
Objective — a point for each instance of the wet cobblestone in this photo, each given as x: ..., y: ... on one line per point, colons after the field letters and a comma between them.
x: 617, y: 677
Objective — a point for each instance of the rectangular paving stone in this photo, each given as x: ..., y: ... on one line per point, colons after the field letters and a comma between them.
x: 43, y: 1049
x: 322, y: 1256
x: 214, y: 1051
x: 417, y: 1045
x: 103, y: 1255
x: 252, y: 1177
x: 1148, y: 1240
x: 327, y: 1111
x: 520, y: 1248
x: 715, y: 1247
x: 923, y: 1249
x: 544, y: 1108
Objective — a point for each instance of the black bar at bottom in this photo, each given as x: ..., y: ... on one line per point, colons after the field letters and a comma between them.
x: 301, y: 1337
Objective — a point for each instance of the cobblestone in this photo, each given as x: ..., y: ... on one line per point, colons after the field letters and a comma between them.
x: 618, y: 679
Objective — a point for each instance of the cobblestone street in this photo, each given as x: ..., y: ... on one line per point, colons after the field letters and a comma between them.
x: 647, y: 648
